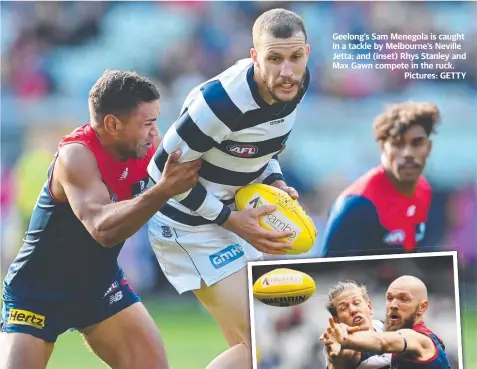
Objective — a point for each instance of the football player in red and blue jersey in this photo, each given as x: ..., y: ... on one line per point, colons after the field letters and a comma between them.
x: 385, y: 211
x: 66, y: 274
x: 406, y: 336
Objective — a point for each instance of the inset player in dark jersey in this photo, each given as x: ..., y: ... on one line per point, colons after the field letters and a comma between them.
x: 66, y: 274
x: 386, y: 210
x: 406, y: 337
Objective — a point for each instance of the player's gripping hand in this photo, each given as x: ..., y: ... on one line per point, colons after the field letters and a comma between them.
x: 179, y: 177
x: 245, y: 224
x: 289, y: 190
x: 334, y: 337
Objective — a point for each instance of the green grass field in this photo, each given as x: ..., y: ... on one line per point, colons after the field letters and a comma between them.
x: 469, y: 339
x: 192, y: 339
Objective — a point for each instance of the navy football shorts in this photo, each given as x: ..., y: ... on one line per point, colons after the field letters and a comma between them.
x: 48, y: 319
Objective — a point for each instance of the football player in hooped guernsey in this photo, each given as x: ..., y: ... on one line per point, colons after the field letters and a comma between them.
x: 237, y: 122
x: 406, y: 337
x: 385, y: 211
x: 66, y: 274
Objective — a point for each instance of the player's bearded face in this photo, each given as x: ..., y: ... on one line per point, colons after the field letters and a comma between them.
x: 283, y: 89
x: 282, y: 66
x: 396, y: 319
x: 406, y: 155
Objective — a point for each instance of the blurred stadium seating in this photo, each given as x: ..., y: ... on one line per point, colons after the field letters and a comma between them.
x: 52, y: 53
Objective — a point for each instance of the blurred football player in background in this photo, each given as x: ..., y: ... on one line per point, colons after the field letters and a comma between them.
x: 385, y: 211
x: 237, y: 122
x: 66, y: 274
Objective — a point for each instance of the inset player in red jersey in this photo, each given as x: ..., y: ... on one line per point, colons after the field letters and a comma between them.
x: 412, y: 344
x: 385, y: 211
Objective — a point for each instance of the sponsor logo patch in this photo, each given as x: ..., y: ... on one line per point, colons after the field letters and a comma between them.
x: 281, y: 279
x: 25, y: 317
x: 166, y: 231
x: 226, y: 256
x: 243, y: 151
x: 276, y: 220
x: 114, y: 286
x: 395, y: 237
x: 284, y: 301
x: 140, y: 187
x: 116, y: 297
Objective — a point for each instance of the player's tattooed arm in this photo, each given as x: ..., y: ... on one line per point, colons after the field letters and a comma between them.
x: 76, y: 179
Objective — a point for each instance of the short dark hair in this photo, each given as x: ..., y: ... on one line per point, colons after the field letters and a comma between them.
x: 119, y: 93
x: 398, y: 118
x: 338, y: 289
x: 279, y: 23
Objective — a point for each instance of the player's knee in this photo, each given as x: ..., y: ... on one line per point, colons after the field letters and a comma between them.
x: 240, y: 334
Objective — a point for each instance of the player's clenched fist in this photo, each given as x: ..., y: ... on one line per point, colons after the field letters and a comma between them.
x: 179, y: 177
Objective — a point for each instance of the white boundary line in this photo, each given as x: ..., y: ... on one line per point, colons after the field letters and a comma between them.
x: 251, y: 264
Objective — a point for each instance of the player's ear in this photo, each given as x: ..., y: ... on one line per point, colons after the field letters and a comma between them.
x: 110, y: 123
x: 422, y: 307
x: 254, y: 56
x: 308, y: 49
x: 429, y: 148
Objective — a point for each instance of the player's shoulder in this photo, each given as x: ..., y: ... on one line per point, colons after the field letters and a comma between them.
x: 352, y: 207
x: 83, y: 134
x: 423, y: 186
x: 75, y: 160
x: 355, y: 197
x: 421, y: 327
x: 368, y: 183
x: 229, y: 89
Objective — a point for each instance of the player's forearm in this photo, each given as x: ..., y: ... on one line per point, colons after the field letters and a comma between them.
x: 213, y: 209
x: 117, y: 222
x: 387, y: 342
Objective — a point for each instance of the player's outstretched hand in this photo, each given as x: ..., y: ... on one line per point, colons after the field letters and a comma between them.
x: 333, y: 349
x: 336, y: 333
x: 179, y: 177
x: 245, y: 224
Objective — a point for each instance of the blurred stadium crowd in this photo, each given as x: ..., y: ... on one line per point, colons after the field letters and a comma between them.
x: 289, y: 337
x: 53, y: 52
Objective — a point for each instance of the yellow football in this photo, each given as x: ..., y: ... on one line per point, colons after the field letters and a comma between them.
x: 284, y: 287
x: 289, y: 215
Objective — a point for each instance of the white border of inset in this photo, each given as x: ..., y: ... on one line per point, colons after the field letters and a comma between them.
x: 251, y: 299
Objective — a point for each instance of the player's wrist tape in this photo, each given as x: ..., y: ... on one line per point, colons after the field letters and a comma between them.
x: 405, y: 342
x: 223, y: 216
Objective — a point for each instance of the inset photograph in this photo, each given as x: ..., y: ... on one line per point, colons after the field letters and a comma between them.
x: 374, y: 312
